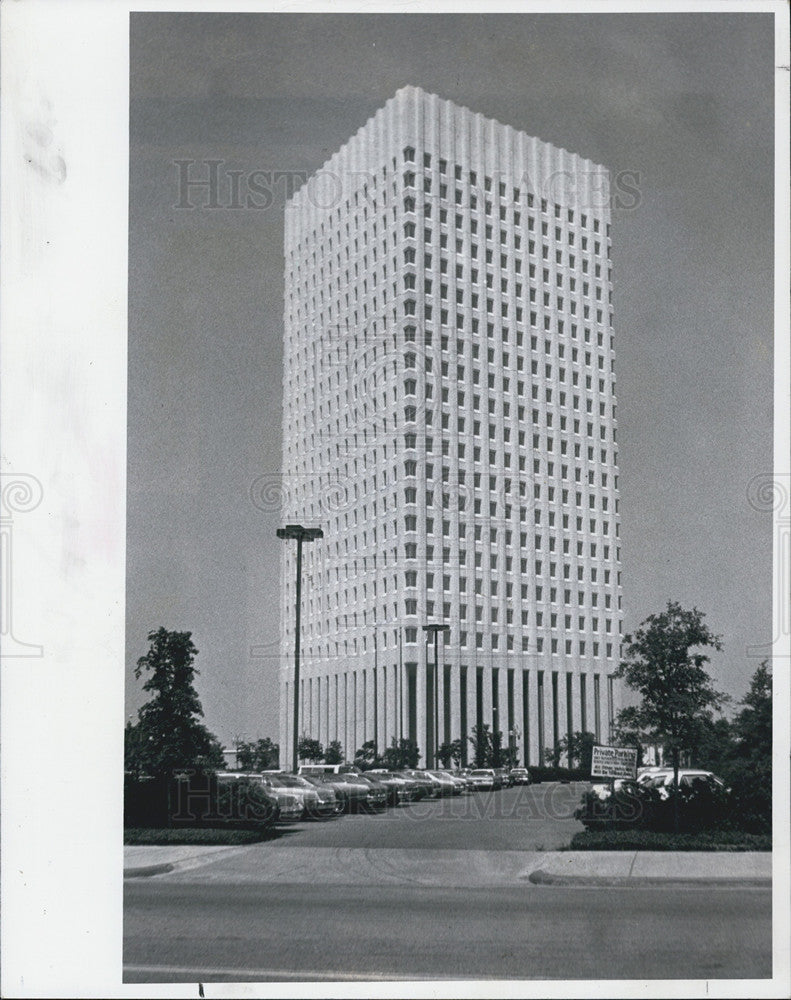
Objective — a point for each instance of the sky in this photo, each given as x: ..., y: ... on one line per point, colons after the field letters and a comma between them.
x: 682, y: 102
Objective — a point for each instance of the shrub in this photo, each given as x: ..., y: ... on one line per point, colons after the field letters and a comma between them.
x: 750, y: 806
x: 652, y: 840
x: 539, y: 774
x: 701, y: 806
x: 631, y: 806
x: 197, y: 801
x: 207, y: 836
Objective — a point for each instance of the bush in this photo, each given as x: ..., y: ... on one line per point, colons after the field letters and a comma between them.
x: 750, y: 805
x: 539, y: 774
x: 701, y: 806
x: 651, y: 840
x: 197, y: 801
x: 631, y: 806
x: 206, y: 836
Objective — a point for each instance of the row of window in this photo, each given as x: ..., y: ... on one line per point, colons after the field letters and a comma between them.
x: 501, y: 187
x: 481, y: 640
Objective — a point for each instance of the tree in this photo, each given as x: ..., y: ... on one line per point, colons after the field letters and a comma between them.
x: 750, y: 773
x: 665, y: 666
x: 450, y: 753
x: 487, y: 747
x: 714, y: 745
x: 310, y: 749
x: 260, y: 755
x: 481, y: 740
x: 367, y: 756
x: 168, y: 736
x: 334, y: 753
x: 627, y: 732
x: 752, y: 726
x: 577, y: 748
x: 401, y: 754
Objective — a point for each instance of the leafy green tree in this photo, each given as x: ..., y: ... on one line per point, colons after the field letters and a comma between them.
x: 481, y: 740
x: 368, y: 757
x: 168, y: 735
x: 401, y: 754
x: 715, y: 745
x: 450, y: 753
x: 750, y: 772
x: 628, y: 732
x: 310, y: 750
x: 334, y: 753
x: 258, y: 755
x: 665, y: 665
x: 487, y: 746
x: 577, y: 748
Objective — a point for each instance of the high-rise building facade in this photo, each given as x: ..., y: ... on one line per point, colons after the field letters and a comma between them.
x: 450, y: 423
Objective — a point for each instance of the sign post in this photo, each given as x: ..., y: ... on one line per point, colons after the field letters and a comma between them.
x: 614, y: 763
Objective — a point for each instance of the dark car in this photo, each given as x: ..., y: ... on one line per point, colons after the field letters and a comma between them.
x: 427, y: 788
x: 399, y: 788
x: 351, y: 797
x: 245, y: 791
x: 317, y: 802
x: 377, y: 793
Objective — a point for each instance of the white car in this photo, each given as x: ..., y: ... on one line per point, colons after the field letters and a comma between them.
x: 662, y: 779
x: 482, y: 778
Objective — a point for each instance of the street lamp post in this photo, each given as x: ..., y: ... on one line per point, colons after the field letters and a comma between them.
x: 435, y: 629
x: 300, y: 534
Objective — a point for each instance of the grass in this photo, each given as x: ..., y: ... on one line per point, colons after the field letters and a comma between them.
x: 648, y: 840
x: 207, y: 836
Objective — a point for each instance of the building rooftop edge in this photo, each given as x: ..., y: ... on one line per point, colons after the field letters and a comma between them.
x: 411, y: 89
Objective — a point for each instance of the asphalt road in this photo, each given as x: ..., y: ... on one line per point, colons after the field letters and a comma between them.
x: 432, y: 890
x: 192, y: 932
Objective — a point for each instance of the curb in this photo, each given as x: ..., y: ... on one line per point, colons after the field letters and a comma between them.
x: 146, y: 870
x: 540, y: 877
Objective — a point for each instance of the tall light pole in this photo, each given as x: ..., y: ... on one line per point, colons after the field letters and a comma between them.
x: 296, y: 531
x: 435, y: 629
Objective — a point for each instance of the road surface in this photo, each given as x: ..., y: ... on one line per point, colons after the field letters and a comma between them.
x: 433, y: 890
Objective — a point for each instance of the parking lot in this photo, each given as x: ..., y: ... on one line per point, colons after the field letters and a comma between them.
x: 522, y: 818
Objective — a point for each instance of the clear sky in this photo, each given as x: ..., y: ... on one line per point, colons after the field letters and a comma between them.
x: 681, y: 101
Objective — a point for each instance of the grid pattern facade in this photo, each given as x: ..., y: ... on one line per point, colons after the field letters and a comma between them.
x: 450, y: 422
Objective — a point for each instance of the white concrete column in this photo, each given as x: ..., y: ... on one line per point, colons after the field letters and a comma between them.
x: 519, y: 743
x: 455, y: 700
x: 422, y: 733
x: 471, y: 710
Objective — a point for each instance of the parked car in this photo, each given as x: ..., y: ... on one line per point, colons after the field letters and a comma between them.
x: 505, y: 777
x: 662, y: 780
x: 460, y: 784
x: 484, y: 779
x: 427, y: 788
x: 444, y: 782
x: 520, y: 776
x: 316, y: 803
x: 376, y: 793
x: 289, y: 807
x: 351, y: 797
x: 463, y: 774
x: 408, y: 789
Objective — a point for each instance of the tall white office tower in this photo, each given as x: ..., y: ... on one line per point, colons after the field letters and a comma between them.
x: 449, y: 422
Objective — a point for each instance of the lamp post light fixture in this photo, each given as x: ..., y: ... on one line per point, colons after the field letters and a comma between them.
x: 300, y: 534
x: 435, y: 629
